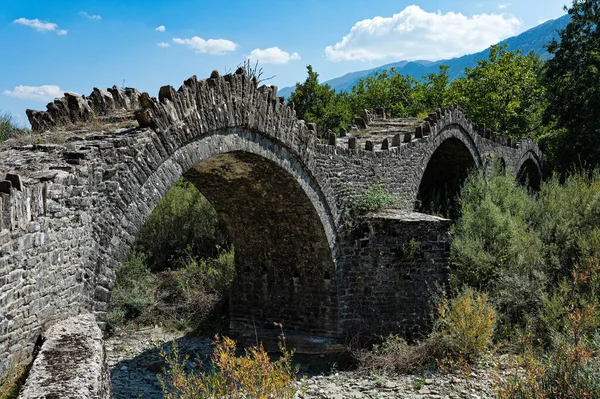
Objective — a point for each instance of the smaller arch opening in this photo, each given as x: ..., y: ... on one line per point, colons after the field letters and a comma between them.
x: 446, y: 171
x: 529, y: 175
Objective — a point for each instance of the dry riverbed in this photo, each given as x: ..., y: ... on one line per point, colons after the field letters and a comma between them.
x: 135, y: 361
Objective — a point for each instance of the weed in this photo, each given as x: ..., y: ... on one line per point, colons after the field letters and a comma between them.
x: 13, y: 380
x: 418, y: 383
x: 253, y: 375
x: 374, y: 199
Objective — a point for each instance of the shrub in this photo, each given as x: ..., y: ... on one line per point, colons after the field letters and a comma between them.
x: 253, y: 375
x: 133, y: 296
x: 462, y: 332
x: 465, y: 325
x: 395, y: 354
x: 569, y: 370
x: 187, y: 295
x: 183, y: 224
x: 517, y: 246
x: 374, y: 199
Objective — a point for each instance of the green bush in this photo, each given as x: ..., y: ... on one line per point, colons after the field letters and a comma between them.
x: 374, y: 199
x: 177, y: 273
x: 571, y: 365
x: 496, y: 250
x: 519, y: 246
x: 133, y: 296
x: 183, y: 224
x: 567, y: 218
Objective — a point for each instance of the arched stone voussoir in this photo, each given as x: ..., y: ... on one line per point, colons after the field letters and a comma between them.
x: 263, y: 192
x: 231, y: 101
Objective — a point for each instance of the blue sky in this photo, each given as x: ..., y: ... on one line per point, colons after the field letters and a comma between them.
x: 50, y: 47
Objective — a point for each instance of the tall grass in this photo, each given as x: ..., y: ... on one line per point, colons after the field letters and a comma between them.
x: 7, y: 126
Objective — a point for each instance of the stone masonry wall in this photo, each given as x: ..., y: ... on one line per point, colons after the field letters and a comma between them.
x: 46, y: 249
x: 393, y: 262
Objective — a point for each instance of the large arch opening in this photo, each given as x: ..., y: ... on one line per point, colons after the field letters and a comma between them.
x: 444, y: 175
x: 284, y: 271
x: 529, y: 175
x: 277, y: 221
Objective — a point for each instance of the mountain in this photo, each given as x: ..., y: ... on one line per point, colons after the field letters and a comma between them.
x: 533, y: 39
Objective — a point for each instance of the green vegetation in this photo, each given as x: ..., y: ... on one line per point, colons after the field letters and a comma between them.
x: 504, y: 93
x: 13, y: 381
x: 183, y: 225
x: 517, y: 247
x: 316, y: 103
x: 375, y: 198
x: 461, y: 334
x: 7, y: 126
x: 253, y: 375
x: 572, y: 79
x: 179, y: 271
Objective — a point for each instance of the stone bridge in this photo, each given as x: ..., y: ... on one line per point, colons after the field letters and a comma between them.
x: 70, y: 211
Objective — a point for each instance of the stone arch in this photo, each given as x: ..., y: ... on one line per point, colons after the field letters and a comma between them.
x: 277, y: 217
x: 530, y: 171
x: 447, y: 164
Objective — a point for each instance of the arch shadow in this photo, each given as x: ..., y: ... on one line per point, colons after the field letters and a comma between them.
x: 447, y: 169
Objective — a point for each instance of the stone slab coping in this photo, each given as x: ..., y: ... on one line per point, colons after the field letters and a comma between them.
x: 71, y: 363
x: 403, y: 215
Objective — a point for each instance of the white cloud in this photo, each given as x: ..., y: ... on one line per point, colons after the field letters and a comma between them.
x: 90, y: 16
x: 273, y: 55
x: 210, y: 46
x: 163, y: 44
x: 161, y: 28
x: 416, y: 34
x: 503, y: 6
x: 40, y: 26
x: 35, y: 93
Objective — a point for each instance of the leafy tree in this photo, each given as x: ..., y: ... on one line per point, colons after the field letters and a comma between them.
x: 317, y: 103
x: 310, y: 98
x: 504, y: 92
x: 338, y: 114
x: 572, y: 78
x: 387, y: 89
x: 432, y: 92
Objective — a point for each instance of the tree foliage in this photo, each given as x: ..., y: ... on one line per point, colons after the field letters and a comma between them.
x: 184, y: 224
x: 389, y: 90
x: 313, y: 100
x: 504, y: 92
x: 572, y: 78
x: 519, y: 247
